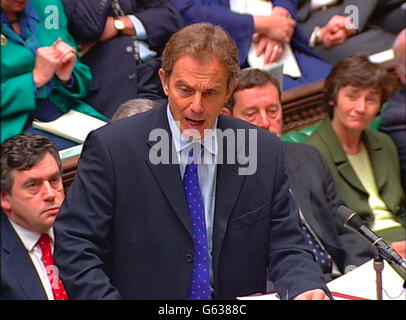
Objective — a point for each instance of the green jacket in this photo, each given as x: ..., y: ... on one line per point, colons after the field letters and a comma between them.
x: 18, y: 96
x: 385, y: 162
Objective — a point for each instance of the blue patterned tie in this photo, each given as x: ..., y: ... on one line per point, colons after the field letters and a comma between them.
x: 200, y: 285
x: 322, y: 257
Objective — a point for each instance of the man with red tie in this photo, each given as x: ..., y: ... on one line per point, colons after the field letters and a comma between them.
x: 31, y: 194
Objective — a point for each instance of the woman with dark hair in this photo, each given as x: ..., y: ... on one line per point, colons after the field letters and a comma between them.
x: 364, y: 162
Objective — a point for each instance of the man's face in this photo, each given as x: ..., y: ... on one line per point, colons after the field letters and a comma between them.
x: 196, y: 92
x: 13, y: 6
x: 259, y: 106
x: 36, y: 196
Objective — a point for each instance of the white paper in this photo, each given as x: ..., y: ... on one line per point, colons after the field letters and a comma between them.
x: 383, y: 56
x: 73, y: 125
x: 288, y: 59
x: 361, y: 282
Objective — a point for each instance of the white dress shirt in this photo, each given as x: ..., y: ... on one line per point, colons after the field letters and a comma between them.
x: 30, y: 239
x: 207, y: 169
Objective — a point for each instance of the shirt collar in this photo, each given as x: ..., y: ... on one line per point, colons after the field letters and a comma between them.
x: 29, y: 238
x: 182, y: 142
x: 28, y: 13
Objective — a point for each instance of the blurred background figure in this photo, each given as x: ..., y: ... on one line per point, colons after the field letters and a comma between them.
x: 134, y: 106
x: 122, y: 42
x: 337, y: 29
x: 393, y: 116
x: 41, y: 77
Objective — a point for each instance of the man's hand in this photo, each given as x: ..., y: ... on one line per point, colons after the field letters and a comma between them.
x: 110, y: 31
x: 337, y: 30
x: 270, y: 49
x: 278, y: 26
x: 67, y: 58
x: 316, y: 294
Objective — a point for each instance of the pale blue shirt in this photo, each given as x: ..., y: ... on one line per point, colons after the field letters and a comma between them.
x: 207, y: 169
x: 145, y: 52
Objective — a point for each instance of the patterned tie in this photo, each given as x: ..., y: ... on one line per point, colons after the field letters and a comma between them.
x: 322, y: 257
x: 58, y: 289
x: 200, y: 285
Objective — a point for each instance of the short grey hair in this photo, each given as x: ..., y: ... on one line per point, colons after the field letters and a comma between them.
x: 134, y: 106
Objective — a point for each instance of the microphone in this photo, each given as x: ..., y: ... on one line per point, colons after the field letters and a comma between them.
x: 351, y: 220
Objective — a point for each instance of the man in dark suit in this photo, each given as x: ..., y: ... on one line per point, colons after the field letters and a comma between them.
x: 126, y: 229
x: 325, y: 25
x: 31, y: 194
x: 394, y: 114
x: 271, y: 29
x: 122, y: 41
x: 257, y: 100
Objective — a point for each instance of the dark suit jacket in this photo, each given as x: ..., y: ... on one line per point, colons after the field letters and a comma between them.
x: 318, y: 198
x: 367, y: 40
x: 112, y: 62
x: 19, y: 279
x: 393, y: 123
x: 240, y: 27
x: 385, y: 163
x: 124, y: 230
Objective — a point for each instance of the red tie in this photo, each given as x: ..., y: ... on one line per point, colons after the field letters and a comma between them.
x: 58, y: 289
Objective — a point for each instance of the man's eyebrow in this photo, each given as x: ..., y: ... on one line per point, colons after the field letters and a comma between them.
x: 30, y: 180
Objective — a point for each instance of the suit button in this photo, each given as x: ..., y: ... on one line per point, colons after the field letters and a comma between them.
x: 131, y: 76
x: 189, y: 257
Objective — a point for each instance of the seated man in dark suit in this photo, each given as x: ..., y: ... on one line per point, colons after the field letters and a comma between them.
x: 393, y: 117
x: 122, y: 41
x: 334, y: 37
x: 271, y: 30
x: 31, y: 194
x: 257, y: 100
x: 181, y: 215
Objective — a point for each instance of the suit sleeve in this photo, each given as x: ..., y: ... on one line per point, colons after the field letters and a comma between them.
x: 160, y: 30
x: 83, y: 226
x: 239, y: 26
x: 87, y: 18
x: 292, y: 266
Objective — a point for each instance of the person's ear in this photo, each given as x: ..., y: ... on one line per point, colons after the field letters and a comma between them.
x: 5, y: 202
x: 225, y: 111
x: 164, y: 80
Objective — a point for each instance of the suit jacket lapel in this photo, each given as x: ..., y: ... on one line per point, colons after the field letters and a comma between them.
x: 228, y: 185
x: 168, y: 175
x: 17, y: 259
x: 339, y: 157
x: 301, y: 186
x: 378, y: 159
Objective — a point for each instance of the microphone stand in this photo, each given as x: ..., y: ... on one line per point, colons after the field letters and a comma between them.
x: 378, y: 266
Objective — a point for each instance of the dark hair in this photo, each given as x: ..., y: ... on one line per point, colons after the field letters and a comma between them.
x: 202, y: 41
x: 359, y: 72
x: 250, y: 78
x: 22, y: 152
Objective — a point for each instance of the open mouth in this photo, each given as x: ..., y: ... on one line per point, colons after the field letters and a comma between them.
x: 195, y: 123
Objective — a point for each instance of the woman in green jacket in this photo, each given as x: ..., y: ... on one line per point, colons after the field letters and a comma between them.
x: 364, y: 162
x: 40, y: 74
